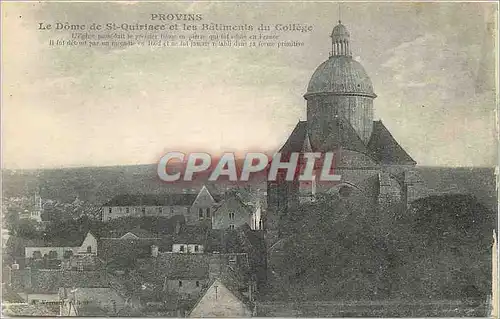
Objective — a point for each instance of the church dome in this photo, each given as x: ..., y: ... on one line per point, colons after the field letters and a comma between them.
x: 340, y: 74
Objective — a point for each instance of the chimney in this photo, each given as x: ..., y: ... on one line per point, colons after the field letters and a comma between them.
x: 154, y: 251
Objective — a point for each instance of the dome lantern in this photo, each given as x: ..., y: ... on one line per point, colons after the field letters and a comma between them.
x: 340, y: 41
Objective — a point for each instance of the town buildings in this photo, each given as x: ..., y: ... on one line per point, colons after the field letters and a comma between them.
x: 204, y: 208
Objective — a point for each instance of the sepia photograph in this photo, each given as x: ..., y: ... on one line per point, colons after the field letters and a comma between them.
x: 249, y: 159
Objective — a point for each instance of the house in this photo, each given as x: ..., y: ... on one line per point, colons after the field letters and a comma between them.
x: 122, y: 249
x: 182, y: 275
x: 196, y: 208
x: 71, y: 292
x: 232, y: 213
x: 42, y: 285
x: 220, y: 299
x: 37, y: 250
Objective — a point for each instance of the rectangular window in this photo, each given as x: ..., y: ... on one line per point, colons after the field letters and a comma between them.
x: 208, y: 212
x: 127, y: 210
x: 231, y: 216
x: 110, y: 210
x: 200, y: 213
x: 182, y: 248
x: 160, y: 210
x: 171, y: 210
x: 197, y: 283
x: 196, y: 249
x: 180, y: 283
x: 143, y: 210
x: 231, y: 226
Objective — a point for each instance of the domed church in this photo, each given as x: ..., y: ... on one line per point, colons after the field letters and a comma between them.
x: 370, y: 161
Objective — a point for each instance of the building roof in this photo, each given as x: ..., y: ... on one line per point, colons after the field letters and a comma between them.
x: 182, y: 266
x: 39, y: 310
x: 340, y: 74
x: 76, y: 240
x: 10, y: 296
x: 137, y: 232
x: 382, y: 147
x: 49, y: 281
x: 385, y: 149
x: 152, y: 200
x: 342, y: 134
x: 340, y: 31
x: 296, y: 139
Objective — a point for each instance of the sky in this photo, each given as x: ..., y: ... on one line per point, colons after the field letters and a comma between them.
x: 432, y: 66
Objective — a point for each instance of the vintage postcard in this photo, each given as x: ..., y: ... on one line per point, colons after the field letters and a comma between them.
x: 249, y: 159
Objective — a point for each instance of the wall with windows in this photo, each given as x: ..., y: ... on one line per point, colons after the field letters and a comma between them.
x: 89, y: 245
x: 231, y: 214
x: 51, y: 252
x: 187, y: 248
x: 202, y: 208
x: 109, y: 213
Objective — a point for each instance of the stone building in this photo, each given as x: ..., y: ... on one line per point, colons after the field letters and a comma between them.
x: 232, y: 213
x: 340, y: 119
x: 37, y: 250
x: 196, y: 208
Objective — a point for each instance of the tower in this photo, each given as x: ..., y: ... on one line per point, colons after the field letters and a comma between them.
x: 339, y: 90
x: 374, y: 168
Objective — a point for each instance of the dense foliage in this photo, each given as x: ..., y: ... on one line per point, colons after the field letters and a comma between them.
x: 439, y: 248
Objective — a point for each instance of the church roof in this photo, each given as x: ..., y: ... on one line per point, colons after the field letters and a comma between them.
x: 296, y: 139
x: 342, y: 134
x: 340, y: 74
x: 382, y: 147
x: 385, y: 149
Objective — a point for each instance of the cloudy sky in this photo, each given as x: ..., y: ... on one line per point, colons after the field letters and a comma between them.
x: 432, y: 67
